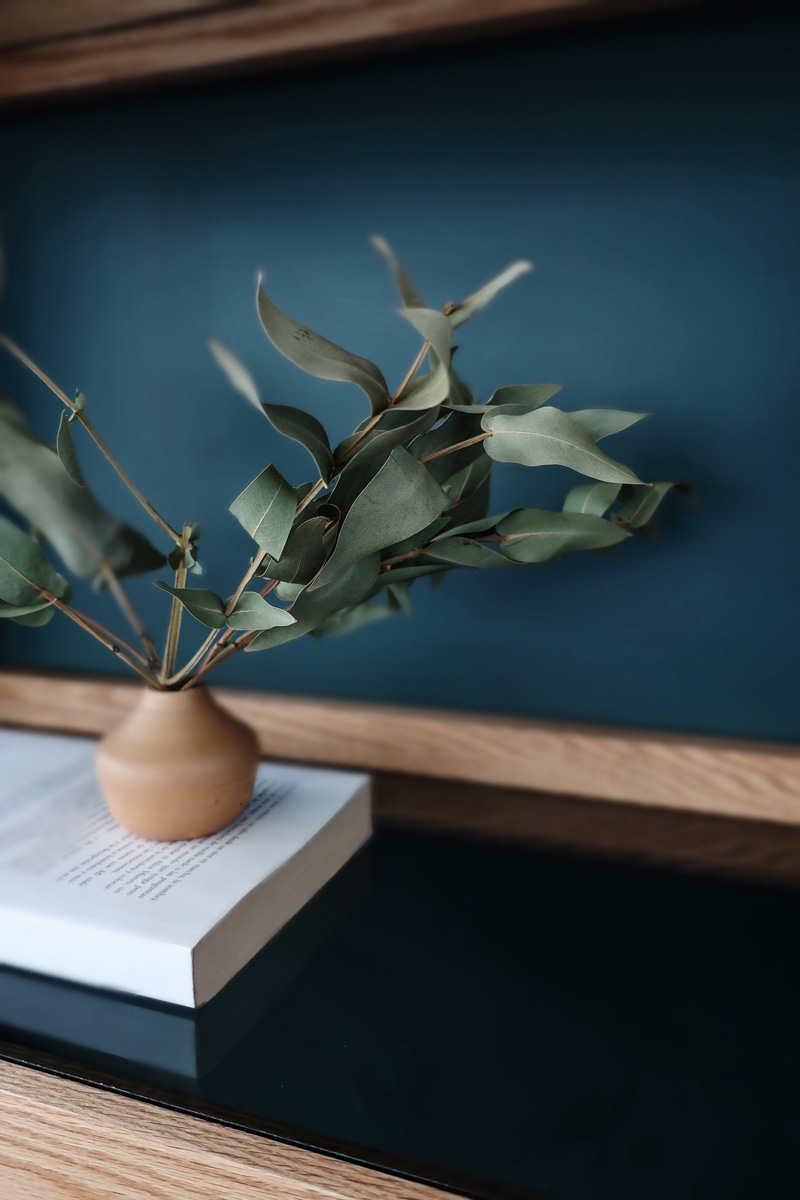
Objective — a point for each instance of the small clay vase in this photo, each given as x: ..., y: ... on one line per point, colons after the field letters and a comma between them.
x: 178, y: 766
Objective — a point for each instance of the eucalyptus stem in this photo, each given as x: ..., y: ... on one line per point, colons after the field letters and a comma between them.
x: 481, y: 437
x: 78, y: 414
x: 411, y: 372
x: 126, y: 605
x: 179, y: 676
x: 109, y: 642
x: 176, y: 612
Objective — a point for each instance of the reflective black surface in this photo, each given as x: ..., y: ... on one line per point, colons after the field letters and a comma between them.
x: 498, y: 1019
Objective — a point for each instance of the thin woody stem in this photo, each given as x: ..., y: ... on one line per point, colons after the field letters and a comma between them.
x: 125, y: 604
x: 481, y: 437
x: 176, y: 612
x: 411, y: 372
x: 19, y: 354
x: 109, y: 642
x: 193, y: 661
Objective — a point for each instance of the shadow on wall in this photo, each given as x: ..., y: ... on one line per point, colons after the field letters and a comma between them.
x: 649, y: 168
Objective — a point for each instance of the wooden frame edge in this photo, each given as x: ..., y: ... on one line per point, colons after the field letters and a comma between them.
x: 259, y: 35
x: 690, y: 773
x: 60, y: 1139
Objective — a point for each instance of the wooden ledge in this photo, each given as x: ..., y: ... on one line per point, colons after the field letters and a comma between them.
x: 696, y: 774
x: 61, y: 1140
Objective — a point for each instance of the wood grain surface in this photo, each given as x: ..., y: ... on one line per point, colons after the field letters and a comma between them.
x: 264, y: 33
x: 697, y: 774
x: 61, y: 1140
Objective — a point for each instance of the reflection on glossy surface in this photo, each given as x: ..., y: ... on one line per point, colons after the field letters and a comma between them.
x: 536, y: 1020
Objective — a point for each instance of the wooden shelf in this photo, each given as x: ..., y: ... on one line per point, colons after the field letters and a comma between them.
x: 48, y: 48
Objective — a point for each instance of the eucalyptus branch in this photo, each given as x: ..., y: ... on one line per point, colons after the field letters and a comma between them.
x: 78, y: 414
x: 411, y: 372
x: 176, y: 612
x: 108, y: 641
x: 473, y: 441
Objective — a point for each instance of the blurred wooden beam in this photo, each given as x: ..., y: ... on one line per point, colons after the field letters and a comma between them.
x: 673, y: 771
x: 186, y: 39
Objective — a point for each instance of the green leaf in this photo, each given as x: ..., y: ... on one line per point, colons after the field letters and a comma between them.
x: 65, y: 448
x: 594, y: 498
x: 639, y: 509
x: 478, y: 300
x: 427, y: 391
x: 15, y: 611
x: 408, y: 293
x: 531, y: 395
x: 601, y: 422
x: 41, y: 616
x: 416, y: 540
x: 456, y: 427
x: 266, y: 510
x: 399, y: 597
x: 482, y: 525
x: 288, y: 592
x: 80, y: 400
x: 401, y: 499
x: 206, y: 607
x: 464, y: 552
x: 312, y: 608
x: 366, y: 613
x: 35, y: 484
x: 402, y: 574
x: 303, y: 555
x: 24, y: 569
x: 291, y: 422
x: 396, y: 428
x: 253, y: 612
x: 546, y: 437
x: 533, y: 535
x: 317, y: 356
x: 436, y: 329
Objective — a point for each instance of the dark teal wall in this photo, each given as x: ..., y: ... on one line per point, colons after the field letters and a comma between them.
x: 650, y: 168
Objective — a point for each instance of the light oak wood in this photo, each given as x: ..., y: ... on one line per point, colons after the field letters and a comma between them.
x: 61, y: 1140
x: 24, y: 21
x: 669, y: 770
x: 266, y: 33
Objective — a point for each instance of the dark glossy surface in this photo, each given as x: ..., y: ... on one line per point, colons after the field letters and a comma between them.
x: 499, y: 1018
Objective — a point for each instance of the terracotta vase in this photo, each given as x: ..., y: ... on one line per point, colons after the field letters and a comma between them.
x: 178, y: 766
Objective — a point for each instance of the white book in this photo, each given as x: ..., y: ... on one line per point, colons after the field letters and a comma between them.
x: 82, y: 899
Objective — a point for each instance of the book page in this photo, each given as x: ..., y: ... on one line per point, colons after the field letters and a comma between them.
x: 62, y: 852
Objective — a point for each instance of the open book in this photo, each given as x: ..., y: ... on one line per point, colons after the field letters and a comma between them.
x: 82, y: 899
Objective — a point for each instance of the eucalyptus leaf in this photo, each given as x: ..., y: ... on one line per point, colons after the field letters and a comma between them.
x: 532, y: 395
x: 478, y: 300
x: 317, y: 356
x: 548, y: 436
x: 482, y: 525
x: 396, y: 428
x: 291, y: 422
x: 288, y: 592
x: 266, y: 510
x: 427, y: 391
x: 85, y: 536
x: 303, y: 555
x: 65, y: 448
x: 404, y: 574
x: 24, y: 570
x: 401, y: 499
x: 533, y: 535
x: 15, y: 611
x: 408, y: 293
x: 464, y: 552
x: 37, y: 618
x: 206, y: 607
x: 435, y: 328
x: 311, y: 608
x: 594, y: 498
x: 399, y: 597
x: 601, y: 422
x: 641, y: 507
x: 366, y: 613
x: 252, y: 611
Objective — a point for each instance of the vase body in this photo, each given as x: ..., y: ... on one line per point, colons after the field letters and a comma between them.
x: 178, y: 766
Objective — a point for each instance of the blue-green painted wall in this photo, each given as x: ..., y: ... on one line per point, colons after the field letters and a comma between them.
x: 649, y: 167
